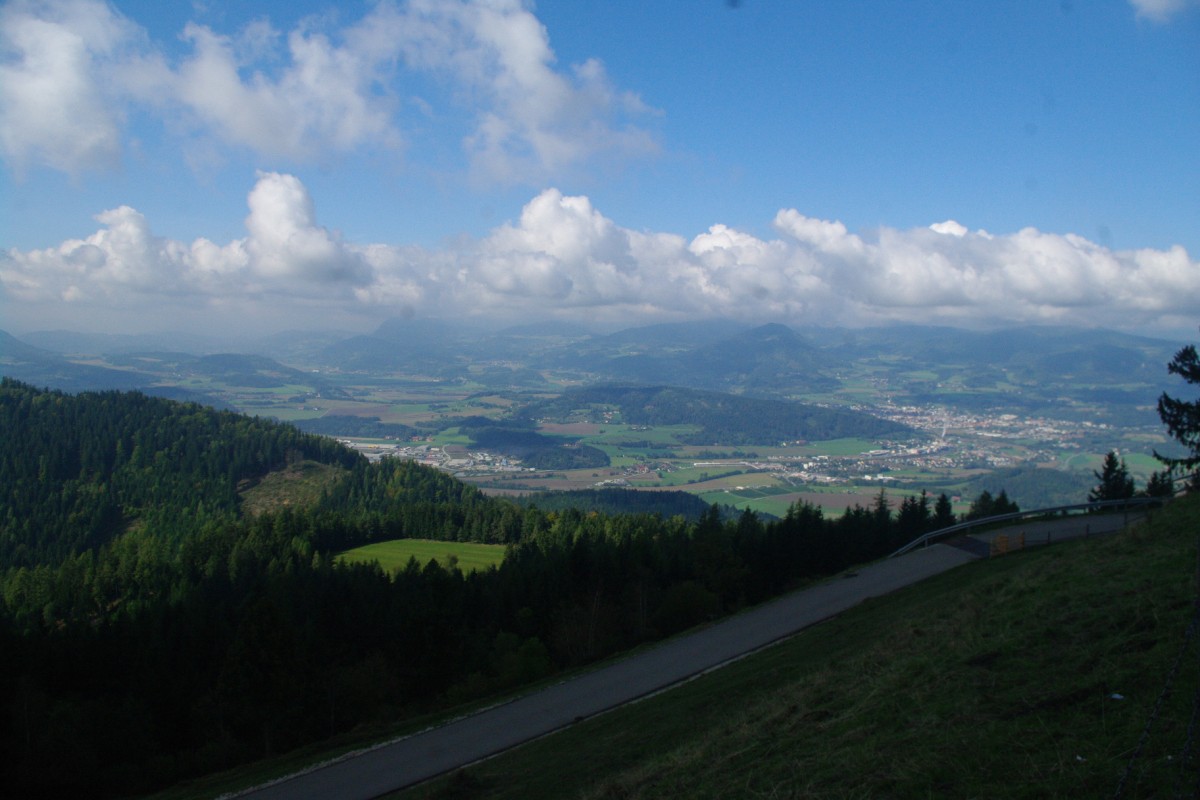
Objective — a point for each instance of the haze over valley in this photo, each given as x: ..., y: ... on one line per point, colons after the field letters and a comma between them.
x: 749, y: 417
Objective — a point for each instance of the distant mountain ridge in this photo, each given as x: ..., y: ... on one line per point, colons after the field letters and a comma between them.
x: 40, y: 367
x: 1041, y: 370
x: 148, y: 371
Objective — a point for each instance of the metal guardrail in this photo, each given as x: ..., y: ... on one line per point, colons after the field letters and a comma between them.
x: 1117, y: 505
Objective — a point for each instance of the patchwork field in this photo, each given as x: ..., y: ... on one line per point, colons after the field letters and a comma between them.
x: 664, y: 456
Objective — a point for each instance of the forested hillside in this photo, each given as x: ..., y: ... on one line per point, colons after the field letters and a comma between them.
x: 724, y: 419
x: 345, y: 425
x: 536, y: 450
x: 75, y: 471
x: 622, y: 501
x: 151, y: 632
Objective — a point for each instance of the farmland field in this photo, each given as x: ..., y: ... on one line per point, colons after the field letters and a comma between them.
x: 394, y: 554
x: 835, y: 474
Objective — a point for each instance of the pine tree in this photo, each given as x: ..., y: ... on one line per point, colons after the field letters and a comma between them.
x: 1182, y: 417
x: 1115, y: 481
x: 943, y: 513
x: 987, y: 506
x: 913, y: 519
x: 1160, y: 485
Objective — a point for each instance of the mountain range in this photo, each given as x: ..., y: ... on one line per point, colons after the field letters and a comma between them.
x: 1068, y: 371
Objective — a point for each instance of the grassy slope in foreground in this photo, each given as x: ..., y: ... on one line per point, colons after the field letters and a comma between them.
x: 994, y: 680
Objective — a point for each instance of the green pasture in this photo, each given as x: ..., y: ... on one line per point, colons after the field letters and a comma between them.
x: 657, y: 435
x: 860, y: 393
x: 451, y: 436
x: 776, y: 499
x: 287, y: 390
x: 401, y: 410
x: 620, y: 458
x: 776, y: 505
x: 395, y: 554
x: 1075, y: 460
x: 839, y: 447
x: 689, y: 476
x: 291, y: 413
x: 1140, y: 464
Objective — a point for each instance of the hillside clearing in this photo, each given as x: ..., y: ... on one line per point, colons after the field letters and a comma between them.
x: 298, y: 485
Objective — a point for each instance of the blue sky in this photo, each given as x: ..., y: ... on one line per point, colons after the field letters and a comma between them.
x: 262, y: 166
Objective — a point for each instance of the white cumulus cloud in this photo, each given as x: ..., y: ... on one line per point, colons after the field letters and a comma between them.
x: 562, y: 257
x: 287, y: 243
x: 326, y: 98
x: 124, y: 265
x: 73, y: 71
x: 59, y: 104
x: 534, y: 118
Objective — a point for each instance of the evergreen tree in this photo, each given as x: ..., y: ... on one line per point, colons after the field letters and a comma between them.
x: 983, y: 506
x: 988, y: 506
x: 943, y: 513
x: 913, y: 518
x: 1004, y: 505
x: 1182, y: 417
x: 1160, y: 485
x: 1115, y: 480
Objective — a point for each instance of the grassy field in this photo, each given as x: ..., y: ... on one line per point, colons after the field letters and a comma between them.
x: 655, y: 436
x: 777, y: 499
x: 394, y: 554
x: 293, y: 413
x: 771, y: 504
x: 839, y: 447
x: 1032, y: 675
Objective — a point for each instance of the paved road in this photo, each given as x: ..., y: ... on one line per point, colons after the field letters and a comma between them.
x: 1046, y: 531
x: 430, y: 753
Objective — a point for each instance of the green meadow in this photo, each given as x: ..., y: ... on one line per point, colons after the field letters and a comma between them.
x: 395, y: 554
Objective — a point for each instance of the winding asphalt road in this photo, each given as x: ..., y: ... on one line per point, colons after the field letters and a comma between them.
x: 416, y: 758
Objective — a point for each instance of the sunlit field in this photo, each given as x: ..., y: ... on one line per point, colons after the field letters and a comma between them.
x: 395, y: 554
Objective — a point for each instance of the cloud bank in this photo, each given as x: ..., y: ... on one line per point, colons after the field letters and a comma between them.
x: 563, y: 258
x: 72, y: 72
